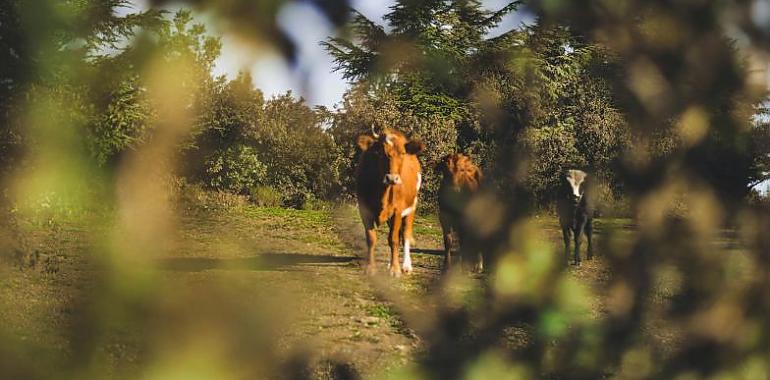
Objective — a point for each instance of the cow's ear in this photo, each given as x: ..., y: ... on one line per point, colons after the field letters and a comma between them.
x: 364, y: 142
x: 414, y: 147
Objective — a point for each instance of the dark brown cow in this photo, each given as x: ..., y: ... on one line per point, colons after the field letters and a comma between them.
x: 461, y: 178
x: 575, y: 208
x: 387, y: 182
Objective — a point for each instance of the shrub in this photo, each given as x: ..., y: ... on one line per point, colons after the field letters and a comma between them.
x: 609, y: 204
x: 236, y: 169
x: 265, y: 196
x: 195, y: 197
x: 316, y: 204
x: 553, y: 149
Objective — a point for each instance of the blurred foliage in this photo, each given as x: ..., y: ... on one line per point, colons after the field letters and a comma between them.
x: 759, y: 146
x: 657, y: 99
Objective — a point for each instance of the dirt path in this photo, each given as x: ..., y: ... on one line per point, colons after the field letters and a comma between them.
x: 312, y: 259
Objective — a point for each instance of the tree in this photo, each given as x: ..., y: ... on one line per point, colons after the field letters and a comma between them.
x: 124, y: 115
x: 303, y: 160
x: 56, y: 57
x: 493, y: 95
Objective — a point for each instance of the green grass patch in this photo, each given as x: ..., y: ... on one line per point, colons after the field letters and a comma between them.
x: 381, y: 311
x: 427, y: 225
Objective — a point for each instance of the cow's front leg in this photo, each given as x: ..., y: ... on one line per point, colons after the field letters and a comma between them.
x: 578, y: 232
x: 395, y: 229
x: 589, y: 237
x: 565, y: 231
x: 408, y: 241
x: 371, y: 242
x: 447, y: 248
x: 446, y: 231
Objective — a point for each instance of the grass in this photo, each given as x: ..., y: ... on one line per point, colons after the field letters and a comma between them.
x: 427, y: 225
x: 381, y: 311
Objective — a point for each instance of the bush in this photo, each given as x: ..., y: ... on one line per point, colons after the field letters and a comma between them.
x: 608, y: 203
x: 553, y: 149
x: 236, y: 169
x: 265, y: 196
x: 316, y: 204
x: 303, y: 160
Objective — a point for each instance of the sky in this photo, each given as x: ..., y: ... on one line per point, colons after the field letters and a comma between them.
x: 313, y: 76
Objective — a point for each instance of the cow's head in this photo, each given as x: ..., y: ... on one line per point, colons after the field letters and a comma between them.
x: 390, y: 148
x: 574, y: 184
x: 458, y: 168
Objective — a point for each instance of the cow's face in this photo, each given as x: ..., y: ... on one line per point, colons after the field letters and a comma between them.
x: 459, y: 168
x: 575, y: 184
x: 390, y: 149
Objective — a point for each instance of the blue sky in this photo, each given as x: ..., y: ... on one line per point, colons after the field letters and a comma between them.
x: 312, y: 77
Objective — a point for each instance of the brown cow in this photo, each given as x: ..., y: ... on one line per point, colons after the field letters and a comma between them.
x: 461, y: 178
x: 387, y: 182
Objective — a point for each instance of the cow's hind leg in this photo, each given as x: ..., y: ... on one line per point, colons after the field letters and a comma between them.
x: 393, y: 241
x: 472, y: 256
x: 408, y: 238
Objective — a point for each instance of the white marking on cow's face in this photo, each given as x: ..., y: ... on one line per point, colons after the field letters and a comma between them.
x: 389, y: 139
x: 575, y: 178
x: 407, y: 265
x: 575, y: 186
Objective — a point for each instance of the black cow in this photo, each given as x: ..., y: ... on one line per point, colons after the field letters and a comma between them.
x: 575, y: 209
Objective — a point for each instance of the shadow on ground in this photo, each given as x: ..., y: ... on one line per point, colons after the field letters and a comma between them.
x: 425, y: 251
x: 264, y: 261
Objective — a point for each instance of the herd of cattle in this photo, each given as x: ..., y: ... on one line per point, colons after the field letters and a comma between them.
x: 388, y: 180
